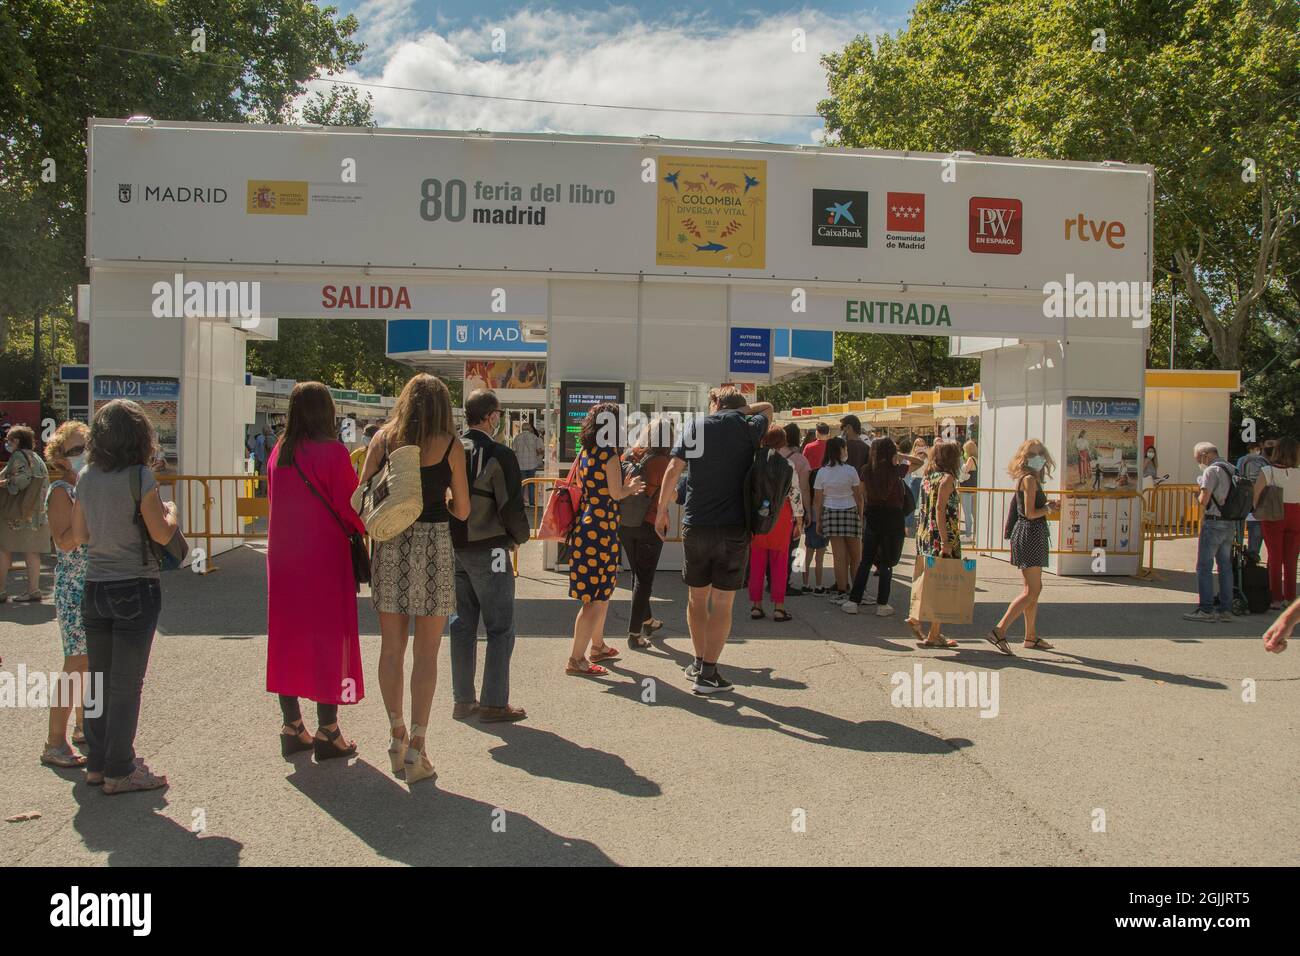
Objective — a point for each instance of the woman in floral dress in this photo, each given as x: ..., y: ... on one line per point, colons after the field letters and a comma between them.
x: 65, y: 453
x: 593, y: 542
x: 938, y: 531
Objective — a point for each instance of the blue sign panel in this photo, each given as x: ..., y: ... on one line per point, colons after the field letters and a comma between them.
x: 751, y: 352
x: 490, y: 335
x: 142, y: 389
x: 408, y: 335
x: 812, y: 344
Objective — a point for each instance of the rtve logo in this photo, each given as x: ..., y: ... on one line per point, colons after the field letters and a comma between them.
x: 1092, y: 230
x: 996, y: 225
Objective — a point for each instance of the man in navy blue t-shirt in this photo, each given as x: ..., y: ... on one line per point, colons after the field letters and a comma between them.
x: 715, y: 536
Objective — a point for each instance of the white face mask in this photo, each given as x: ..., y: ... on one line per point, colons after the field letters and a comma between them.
x: 10, y: 447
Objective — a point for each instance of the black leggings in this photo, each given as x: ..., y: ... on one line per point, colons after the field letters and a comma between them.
x: 326, y: 714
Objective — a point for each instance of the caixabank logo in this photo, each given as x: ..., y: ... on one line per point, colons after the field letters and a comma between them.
x: 996, y: 225
x: 839, y: 218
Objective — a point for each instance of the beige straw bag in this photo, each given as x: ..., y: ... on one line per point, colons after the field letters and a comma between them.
x: 391, y: 499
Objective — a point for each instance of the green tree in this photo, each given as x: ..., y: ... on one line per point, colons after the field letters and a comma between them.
x: 62, y: 61
x: 872, y: 365
x: 1206, y: 91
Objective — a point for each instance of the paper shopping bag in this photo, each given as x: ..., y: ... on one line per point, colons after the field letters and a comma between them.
x: 943, y: 589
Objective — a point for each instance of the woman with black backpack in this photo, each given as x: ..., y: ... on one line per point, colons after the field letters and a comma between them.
x: 647, y: 459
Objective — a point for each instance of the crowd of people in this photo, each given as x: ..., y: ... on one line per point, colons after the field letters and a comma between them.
x: 96, y: 501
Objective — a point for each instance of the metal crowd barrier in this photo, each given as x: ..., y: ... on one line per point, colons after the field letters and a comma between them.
x: 218, y: 507
x: 228, y: 507
x: 1117, y: 515
x: 1169, y: 512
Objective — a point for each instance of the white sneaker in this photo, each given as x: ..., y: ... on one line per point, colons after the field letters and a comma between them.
x: 838, y: 597
x: 884, y: 610
x: 848, y: 607
x: 1199, y: 615
x: 868, y: 600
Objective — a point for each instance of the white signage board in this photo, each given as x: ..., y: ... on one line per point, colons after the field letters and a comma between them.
x: 130, y: 292
x: 231, y: 195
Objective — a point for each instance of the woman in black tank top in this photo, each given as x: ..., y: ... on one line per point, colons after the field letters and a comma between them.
x: 434, y: 482
x: 413, y: 573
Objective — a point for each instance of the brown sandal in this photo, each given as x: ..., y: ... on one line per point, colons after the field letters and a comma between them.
x: 1040, y: 644
x: 606, y: 652
x: 941, y: 642
x: 61, y: 756
x: 139, y: 779
x: 584, y: 668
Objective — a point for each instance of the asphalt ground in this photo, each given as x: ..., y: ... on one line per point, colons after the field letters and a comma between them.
x: 1129, y: 744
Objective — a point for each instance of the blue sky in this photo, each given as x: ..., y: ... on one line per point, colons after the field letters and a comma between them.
x: 726, y: 55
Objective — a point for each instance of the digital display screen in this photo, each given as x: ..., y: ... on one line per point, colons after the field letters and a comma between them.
x: 576, y: 399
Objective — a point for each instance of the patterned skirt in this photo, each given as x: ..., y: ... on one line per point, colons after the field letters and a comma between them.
x: 415, y: 572
x: 1030, y: 542
x: 69, y: 585
x: 840, y: 523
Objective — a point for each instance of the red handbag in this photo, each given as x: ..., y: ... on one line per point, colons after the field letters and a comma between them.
x: 561, y: 509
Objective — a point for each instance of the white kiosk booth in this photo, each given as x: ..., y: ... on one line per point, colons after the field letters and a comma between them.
x: 655, y: 266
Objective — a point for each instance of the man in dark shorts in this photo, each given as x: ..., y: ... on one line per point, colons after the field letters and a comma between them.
x: 715, y: 536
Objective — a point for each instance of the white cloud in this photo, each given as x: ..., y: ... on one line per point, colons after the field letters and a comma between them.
x: 610, y: 56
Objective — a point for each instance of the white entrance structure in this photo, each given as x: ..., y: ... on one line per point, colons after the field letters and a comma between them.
x: 650, y: 264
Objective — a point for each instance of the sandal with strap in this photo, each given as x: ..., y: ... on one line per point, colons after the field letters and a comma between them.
x: 397, y: 745
x: 756, y: 613
x: 417, y: 766
x: 78, y: 734
x: 606, y: 652
x: 941, y: 642
x: 781, y: 614
x: 653, y: 624
x: 584, y: 668
x: 61, y: 756
x: 293, y: 743
x: 999, y: 641
x: 139, y: 779
x: 328, y: 750
x: 1040, y: 644
x: 638, y: 640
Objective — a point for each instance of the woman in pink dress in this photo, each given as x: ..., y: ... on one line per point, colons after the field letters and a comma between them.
x: 312, y: 648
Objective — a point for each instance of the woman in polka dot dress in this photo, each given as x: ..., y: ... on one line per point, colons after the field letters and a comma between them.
x: 593, y: 543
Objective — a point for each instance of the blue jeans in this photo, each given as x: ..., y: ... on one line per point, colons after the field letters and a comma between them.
x: 120, y: 619
x: 909, y: 519
x: 482, y: 593
x: 968, y: 511
x: 1215, y: 547
x: 530, y: 491
x: 1254, y: 538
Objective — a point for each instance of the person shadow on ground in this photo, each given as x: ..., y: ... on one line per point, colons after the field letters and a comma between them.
x: 130, y: 829
x: 428, y: 826
x: 801, y: 723
x: 542, y: 753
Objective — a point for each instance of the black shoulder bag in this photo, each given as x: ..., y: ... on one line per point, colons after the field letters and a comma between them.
x: 356, y: 545
x: 169, y: 556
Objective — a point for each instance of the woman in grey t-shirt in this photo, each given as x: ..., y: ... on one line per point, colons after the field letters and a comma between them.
x: 122, y: 598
